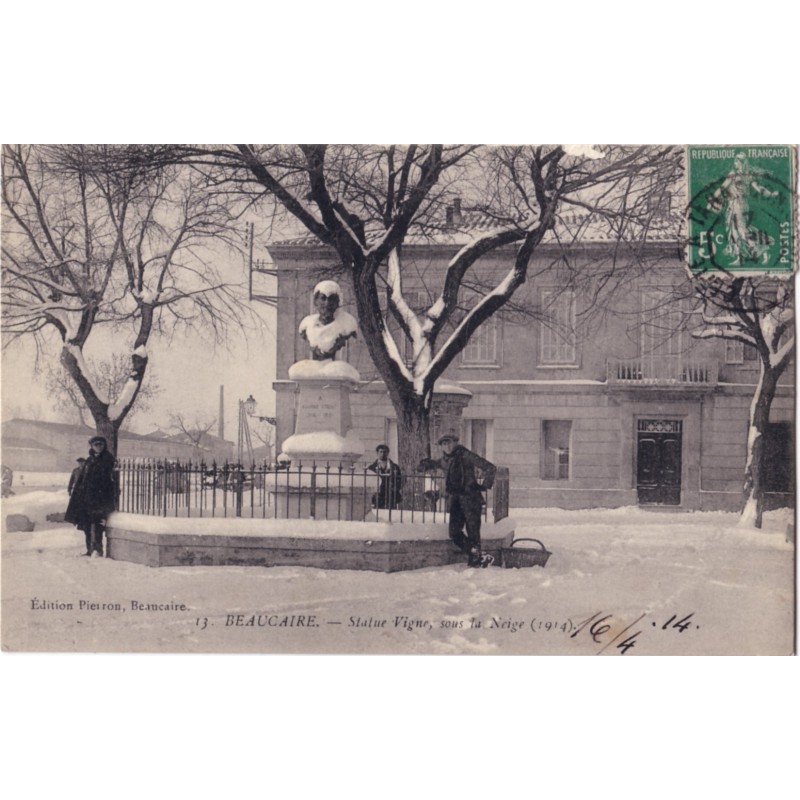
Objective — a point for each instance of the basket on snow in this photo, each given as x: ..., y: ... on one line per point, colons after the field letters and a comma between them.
x: 524, y: 556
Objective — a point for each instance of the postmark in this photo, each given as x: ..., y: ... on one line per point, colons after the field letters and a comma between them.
x: 741, y: 209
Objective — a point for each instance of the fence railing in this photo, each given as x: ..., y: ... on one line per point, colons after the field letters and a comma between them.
x: 313, y: 491
x: 661, y: 370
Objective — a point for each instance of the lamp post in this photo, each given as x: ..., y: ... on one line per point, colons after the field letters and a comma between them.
x: 247, y: 410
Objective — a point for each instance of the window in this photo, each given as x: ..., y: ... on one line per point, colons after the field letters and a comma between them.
x: 663, y: 317
x: 482, y: 346
x: 478, y: 436
x: 558, y: 342
x: 390, y: 437
x: 734, y: 351
x: 555, y: 462
x: 659, y: 204
x: 737, y: 352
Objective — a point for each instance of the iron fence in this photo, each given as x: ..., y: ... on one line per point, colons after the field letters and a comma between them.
x: 325, y: 492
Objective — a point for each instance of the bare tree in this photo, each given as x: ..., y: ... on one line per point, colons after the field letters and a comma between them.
x: 265, y: 435
x: 194, y: 431
x: 110, y: 375
x: 118, y: 238
x: 366, y: 202
x: 759, y: 313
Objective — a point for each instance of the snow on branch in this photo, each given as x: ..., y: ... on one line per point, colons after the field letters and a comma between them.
x: 125, y: 399
x: 723, y: 332
x: 394, y: 353
x: 501, y: 292
x: 77, y: 353
x: 349, y: 230
x: 394, y: 281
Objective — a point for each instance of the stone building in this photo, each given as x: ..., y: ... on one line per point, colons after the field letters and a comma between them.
x: 38, y: 446
x: 587, y: 407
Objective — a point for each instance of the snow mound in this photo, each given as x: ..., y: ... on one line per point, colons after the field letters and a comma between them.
x: 323, y: 370
x: 327, y: 338
x: 322, y: 445
x: 448, y: 387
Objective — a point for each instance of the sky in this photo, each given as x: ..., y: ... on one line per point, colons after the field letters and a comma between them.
x: 188, y: 372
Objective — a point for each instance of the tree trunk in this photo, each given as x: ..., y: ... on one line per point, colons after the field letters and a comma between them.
x: 413, y: 431
x: 108, y: 430
x: 104, y: 426
x: 760, y: 406
x: 413, y: 426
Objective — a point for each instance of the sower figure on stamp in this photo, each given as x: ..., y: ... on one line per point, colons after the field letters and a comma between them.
x: 93, y: 496
x: 464, y: 495
x: 390, y: 475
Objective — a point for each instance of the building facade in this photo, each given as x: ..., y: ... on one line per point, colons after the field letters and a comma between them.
x: 589, y: 402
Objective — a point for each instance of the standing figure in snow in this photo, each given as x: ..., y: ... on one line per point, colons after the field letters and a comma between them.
x: 8, y: 479
x: 328, y: 330
x: 93, y: 496
x: 389, y: 475
x: 464, y: 495
x: 76, y: 473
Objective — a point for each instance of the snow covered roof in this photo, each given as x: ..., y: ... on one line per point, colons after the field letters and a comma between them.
x: 461, y: 228
x: 24, y: 444
x: 73, y: 430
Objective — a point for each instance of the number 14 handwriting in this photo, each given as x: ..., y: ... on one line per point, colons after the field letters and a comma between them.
x: 597, y: 627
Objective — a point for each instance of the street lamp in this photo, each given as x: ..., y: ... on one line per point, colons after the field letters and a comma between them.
x: 246, y: 410
x: 250, y: 408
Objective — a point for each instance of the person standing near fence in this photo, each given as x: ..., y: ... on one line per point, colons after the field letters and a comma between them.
x: 93, y: 496
x: 464, y: 495
x: 389, y: 475
x: 76, y: 473
x: 8, y: 479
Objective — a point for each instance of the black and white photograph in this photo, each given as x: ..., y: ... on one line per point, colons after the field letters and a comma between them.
x: 321, y: 463
x: 399, y: 399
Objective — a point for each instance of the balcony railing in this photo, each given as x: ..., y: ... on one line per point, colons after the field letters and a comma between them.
x: 663, y: 371
x: 323, y: 492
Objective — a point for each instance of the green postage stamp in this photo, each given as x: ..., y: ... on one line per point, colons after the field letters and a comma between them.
x: 741, y: 208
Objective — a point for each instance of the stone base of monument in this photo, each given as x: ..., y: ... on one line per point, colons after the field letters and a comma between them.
x: 338, y: 503
x: 375, y: 546
x: 320, y: 494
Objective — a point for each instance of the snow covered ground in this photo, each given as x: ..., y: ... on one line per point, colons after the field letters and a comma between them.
x: 619, y: 582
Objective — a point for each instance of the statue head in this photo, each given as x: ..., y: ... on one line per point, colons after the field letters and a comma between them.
x: 327, y: 298
x: 328, y: 330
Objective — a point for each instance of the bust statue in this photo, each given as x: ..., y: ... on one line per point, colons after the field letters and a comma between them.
x: 328, y: 330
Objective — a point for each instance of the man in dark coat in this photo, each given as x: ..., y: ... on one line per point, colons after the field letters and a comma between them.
x: 390, y: 475
x: 464, y: 494
x: 93, y: 496
x: 73, y: 478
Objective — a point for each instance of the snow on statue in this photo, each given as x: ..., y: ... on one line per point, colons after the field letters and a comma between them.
x: 328, y: 330
x: 323, y: 427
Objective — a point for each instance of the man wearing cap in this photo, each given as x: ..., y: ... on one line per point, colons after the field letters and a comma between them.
x: 390, y: 475
x: 464, y: 494
x: 93, y: 496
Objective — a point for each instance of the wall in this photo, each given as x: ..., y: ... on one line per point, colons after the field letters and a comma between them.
x: 518, y: 393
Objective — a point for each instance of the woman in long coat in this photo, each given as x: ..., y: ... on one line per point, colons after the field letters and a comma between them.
x: 93, y: 496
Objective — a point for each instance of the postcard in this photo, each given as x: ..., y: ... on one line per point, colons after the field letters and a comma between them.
x: 419, y: 400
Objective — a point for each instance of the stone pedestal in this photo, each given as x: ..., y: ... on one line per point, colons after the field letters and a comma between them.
x: 329, y: 505
x: 323, y: 432
x: 323, y: 437
x: 449, y: 401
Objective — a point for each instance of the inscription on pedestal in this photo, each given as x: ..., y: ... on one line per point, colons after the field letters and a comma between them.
x: 321, y: 408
